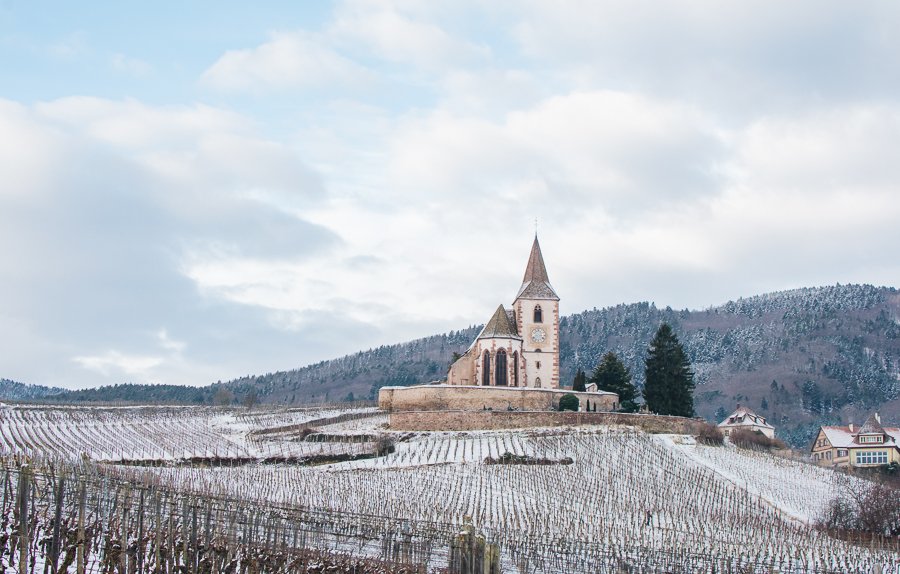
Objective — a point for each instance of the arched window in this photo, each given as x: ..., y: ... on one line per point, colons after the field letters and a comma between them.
x: 538, y: 314
x: 486, y: 369
x: 500, y: 377
x: 515, y: 363
x: 537, y: 383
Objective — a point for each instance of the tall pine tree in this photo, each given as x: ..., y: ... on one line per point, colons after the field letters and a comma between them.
x: 669, y: 381
x: 613, y: 376
x: 578, y: 385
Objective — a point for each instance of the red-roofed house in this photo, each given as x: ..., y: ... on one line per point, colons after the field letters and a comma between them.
x: 868, y: 445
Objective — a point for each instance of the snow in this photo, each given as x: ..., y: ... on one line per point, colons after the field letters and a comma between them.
x: 717, y: 501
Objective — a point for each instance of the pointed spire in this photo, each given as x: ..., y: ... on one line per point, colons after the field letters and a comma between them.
x: 536, y: 283
x: 500, y: 325
x: 536, y: 270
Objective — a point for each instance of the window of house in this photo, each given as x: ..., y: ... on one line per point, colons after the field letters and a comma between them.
x: 841, y: 452
x: 872, y: 439
x: 537, y: 382
x: 500, y: 368
x: 538, y: 364
x: 538, y: 314
x: 515, y: 362
x: 871, y: 457
x: 486, y: 369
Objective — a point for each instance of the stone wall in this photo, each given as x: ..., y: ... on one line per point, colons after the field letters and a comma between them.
x: 474, y: 398
x: 491, y: 420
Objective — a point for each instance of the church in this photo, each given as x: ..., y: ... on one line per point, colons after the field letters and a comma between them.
x: 508, y: 376
x: 518, y: 347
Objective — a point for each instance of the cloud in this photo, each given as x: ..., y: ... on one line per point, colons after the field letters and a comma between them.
x: 287, y: 61
x: 102, y: 232
x: 132, y: 66
x: 733, y: 59
x: 403, y: 33
x: 622, y: 149
x: 113, y: 362
x: 70, y: 47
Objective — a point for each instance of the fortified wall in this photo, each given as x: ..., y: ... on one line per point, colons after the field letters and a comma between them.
x: 495, y: 420
x: 476, y: 398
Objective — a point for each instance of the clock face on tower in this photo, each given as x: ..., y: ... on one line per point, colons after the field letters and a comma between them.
x: 538, y: 335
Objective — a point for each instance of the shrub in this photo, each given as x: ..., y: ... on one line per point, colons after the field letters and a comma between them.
x: 710, y: 434
x: 754, y: 439
x: 875, y: 510
x: 568, y: 402
x: 384, y: 445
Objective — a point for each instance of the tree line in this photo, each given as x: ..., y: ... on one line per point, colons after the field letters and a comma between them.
x: 668, y: 378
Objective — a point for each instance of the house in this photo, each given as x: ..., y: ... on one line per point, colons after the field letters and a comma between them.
x: 745, y: 419
x: 868, y: 445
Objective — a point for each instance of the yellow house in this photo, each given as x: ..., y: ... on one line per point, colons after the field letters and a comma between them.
x: 868, y: 445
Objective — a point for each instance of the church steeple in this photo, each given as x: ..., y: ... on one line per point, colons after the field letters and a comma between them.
x: 536, y: 283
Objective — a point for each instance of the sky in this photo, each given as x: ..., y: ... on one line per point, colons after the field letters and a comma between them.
x: 191, y: 192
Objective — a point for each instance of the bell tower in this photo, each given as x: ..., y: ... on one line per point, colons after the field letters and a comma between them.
x: 537, y: 318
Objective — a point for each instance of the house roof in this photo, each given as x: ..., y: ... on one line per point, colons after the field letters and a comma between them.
x: 843, y: 437
x: 743, y: 416
x: 536, y: 283
x: 872, y: 426
x: 500, y: 325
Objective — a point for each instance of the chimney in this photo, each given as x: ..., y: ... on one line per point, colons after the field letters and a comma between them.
x: 877, y: 418
x: 851, y: 427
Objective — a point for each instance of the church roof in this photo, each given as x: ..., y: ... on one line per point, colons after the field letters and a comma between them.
x: 536, y: 283
x: 500, y: 325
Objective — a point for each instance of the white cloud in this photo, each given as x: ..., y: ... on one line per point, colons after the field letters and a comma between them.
x: 400, y: 34
x: 288, y: 60
x: 101, y: 227
x: 113, y: 362
x: 69, y: 47
x: 133, y: 66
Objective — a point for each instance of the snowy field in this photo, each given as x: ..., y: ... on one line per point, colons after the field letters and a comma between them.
x: 122, y: 434
x: 602, y: 494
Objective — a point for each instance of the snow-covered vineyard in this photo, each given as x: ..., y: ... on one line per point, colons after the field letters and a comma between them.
x: 163, y: 433
x: 593, y: 499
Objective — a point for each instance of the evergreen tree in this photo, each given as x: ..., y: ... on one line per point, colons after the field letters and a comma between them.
x: 613, y: 376
x: 578, y: 385
x: 720, y: 414
x: 668, y: 381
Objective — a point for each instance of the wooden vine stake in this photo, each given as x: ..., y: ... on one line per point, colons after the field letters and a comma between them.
x: 22, y: 503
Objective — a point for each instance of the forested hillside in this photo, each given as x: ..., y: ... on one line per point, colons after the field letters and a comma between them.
x: 15, y: 390
x: 801, y: 358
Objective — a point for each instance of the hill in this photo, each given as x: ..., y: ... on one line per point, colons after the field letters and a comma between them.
x: 801, y: 358
x: 15, y: 391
